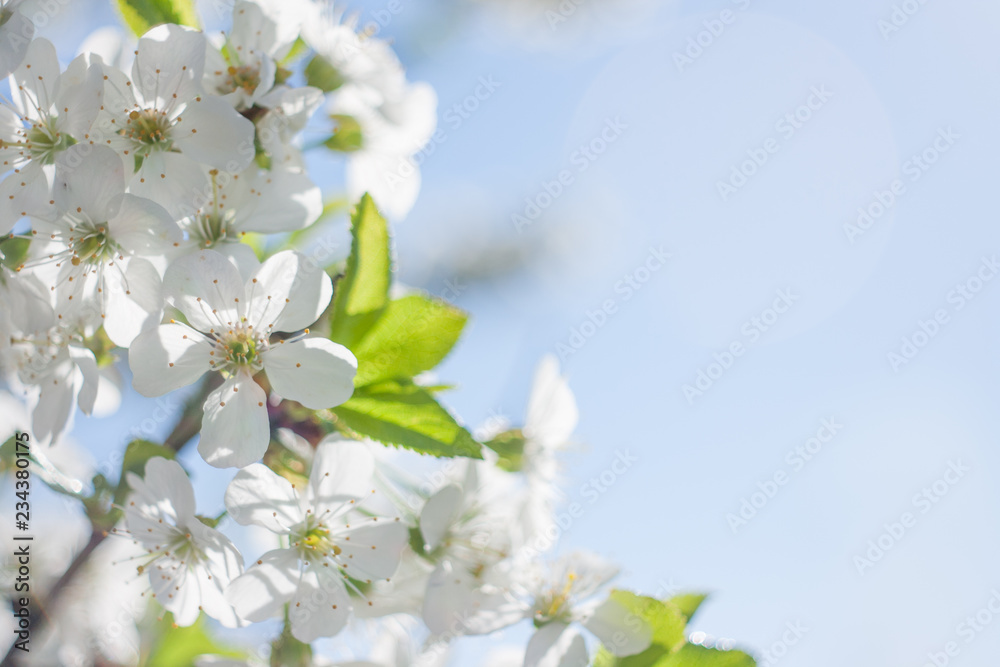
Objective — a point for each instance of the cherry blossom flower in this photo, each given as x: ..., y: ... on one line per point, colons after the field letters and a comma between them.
x: 162, y: 122
x: 189, y: 564
x: 331, y: 546
x: 16, y: 31
x: 49, y: 112
x: 102, y: 250
x: 229, y: 329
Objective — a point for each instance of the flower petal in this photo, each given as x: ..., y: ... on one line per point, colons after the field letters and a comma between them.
x: 213, y: 133
x: 321, y: 606
x: 619, y: 629
x: 281, y: 200
x: 89, y: 178
x: 438, y: 514
x: 164, y: 492
x: 374, y: 549
x: 15, y: 35
x: 207, y: 288
x: 87, y: 363
x: 552, y: 412
x: 259, y: 496
x: 174, y: 181
x: 134, y: 301
x: 287, y: 294
x: 37, y: 80
x: 261, y: 592
x: 166, y: 358
x: 235, y: 429
x: 168, y: 66
x: 342, y: 472
x: 556, y: 645
x: 316, y: 372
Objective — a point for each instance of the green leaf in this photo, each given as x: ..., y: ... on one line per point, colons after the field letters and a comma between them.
x: 398, y: 412
x: 509, y: 445
x: 298, y: 49
x: 178, y: 647
x: 347, y: 136
x: 413, y: 335
x: 688, y: 603
x: 141, y: 15
x: 13, y: 251
x: 363, y: 293
x: 667, y: 623
x: 137, y: 454
x: 323, y: 75
x: 692, y: 655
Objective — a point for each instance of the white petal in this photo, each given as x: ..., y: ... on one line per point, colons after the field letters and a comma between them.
x: 91, y: 178
x: 259, y: 496
x: 281, y: 201
x: 392, y: 180
x: 168, y: 65
x: 287, y: 294
x: 81, y: 90
x: 174, y: 181
x: 207, y: 288
x: 555, y: 645
x: 176, y: 588
x: 235, y: 430
x: 316, y: 372
x: 375, y: 547
x: 342, y: 471
x: 53, y: 413
x: 456, y: 603
x: 619, y: 629
x: 261, y: 592
x: 15, y: 36
x: 223, y: 563
x: 212, y: 132
x: 85, y: 361
x: 134, y: 301
x: 37, y: 80
x: 166, y: 358
x: 438, y: 514
x: 552, y: 412
x: 165, y: 492
x: 321, y: 606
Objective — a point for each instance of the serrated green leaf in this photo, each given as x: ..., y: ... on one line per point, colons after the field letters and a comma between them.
x: 323, y: 75
x: 137, y: 454
x: 141, y: 15
x: 179, y: 646
x: 692, y: 655
x: 413, y: 335
x: 363, y: 292
x: 400, y: 413
x: 688, y: 603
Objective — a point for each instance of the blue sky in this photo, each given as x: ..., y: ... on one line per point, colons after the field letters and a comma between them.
x: 913, y: 108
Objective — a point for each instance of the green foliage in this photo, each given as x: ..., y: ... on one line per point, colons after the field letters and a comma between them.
x: 413, y: 335
x: 320, y: 73
x: 509, y: 446
x: 141, y: 15
x: 688, y: 603
x: 398, y: 412
x: 363, y: 293
x: 178, y: 647
x: 347, y: 136
x: 669, y: 647
x: 13, y: 251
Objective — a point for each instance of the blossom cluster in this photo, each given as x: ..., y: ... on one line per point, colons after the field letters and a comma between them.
x: 150, y: 195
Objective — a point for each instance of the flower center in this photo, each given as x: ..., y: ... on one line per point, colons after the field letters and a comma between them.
x: 552, y: 605
x: 44, y: 142
x: 148, y: 127
x: 315, y: 541
x: 92, y: 247
x: 245, y: 78
x: 241, y: 350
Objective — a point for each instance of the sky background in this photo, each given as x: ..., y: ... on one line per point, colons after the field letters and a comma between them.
x: 888, y: 96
